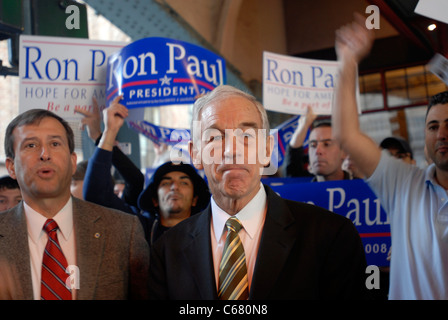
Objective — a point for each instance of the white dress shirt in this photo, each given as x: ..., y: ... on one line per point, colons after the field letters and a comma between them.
x: 252, y: 218
x: 37, y: 240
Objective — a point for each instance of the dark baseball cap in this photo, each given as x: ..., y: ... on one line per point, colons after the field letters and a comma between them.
x: 396, y: 143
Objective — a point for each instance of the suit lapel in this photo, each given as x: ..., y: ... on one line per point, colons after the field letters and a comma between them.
x: 14, y: 242
x: 90, y: 242
x: 276, y: 242
x: 198, y: 254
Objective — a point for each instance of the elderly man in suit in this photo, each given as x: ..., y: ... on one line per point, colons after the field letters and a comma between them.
x: 249, y: 243
x: 55, y: 246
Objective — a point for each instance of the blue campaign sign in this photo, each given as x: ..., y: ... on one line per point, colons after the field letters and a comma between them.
x: 153, y: 72
x: 351, y: 198
x: 159, y: 134
x: 285, y: 130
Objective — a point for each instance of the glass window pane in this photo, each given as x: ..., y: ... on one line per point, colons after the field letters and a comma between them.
x: 397, y: 94
x: 434, y: 84
x: 371, y: 97
x: 416, y: 81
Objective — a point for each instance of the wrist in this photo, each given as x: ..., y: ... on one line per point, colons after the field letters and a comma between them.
x: 107, y: 140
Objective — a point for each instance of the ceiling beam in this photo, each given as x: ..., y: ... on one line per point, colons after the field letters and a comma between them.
x: 402, y: 26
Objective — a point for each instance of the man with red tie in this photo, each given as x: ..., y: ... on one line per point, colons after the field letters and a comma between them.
x: 55, y: 246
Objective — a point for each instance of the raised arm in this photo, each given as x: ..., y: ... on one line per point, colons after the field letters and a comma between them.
x: 294, y: 164
x: 113, y: 120
x: 353, y: 43
x: 304, y: 123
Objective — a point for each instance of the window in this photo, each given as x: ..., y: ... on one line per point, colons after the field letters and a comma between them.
x: 398, y: 88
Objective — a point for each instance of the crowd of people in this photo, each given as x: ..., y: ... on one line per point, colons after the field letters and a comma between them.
x: 225, y: 235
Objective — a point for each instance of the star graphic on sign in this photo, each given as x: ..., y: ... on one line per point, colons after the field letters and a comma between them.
x: 165, y: 80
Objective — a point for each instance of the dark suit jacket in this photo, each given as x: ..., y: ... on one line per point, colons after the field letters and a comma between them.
x: 305, y: 252
x: 111, y: 251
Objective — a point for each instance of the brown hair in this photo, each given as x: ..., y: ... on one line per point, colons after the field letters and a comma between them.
x: 34, y: 116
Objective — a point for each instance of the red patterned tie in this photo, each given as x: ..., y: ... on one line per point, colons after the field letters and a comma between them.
x: 54, y: 264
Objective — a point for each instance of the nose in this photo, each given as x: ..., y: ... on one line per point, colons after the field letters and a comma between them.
x: 442, y: 133
x: 233, y: 149
x: 319, y: 148
x: 174, y: 185
x: 45, y: 154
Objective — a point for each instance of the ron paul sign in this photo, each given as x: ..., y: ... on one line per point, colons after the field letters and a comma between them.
x: 292, y: 84
x: 155, y: 72
x: 62, y: 74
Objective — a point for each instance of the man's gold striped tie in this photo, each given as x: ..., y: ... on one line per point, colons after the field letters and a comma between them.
x: 233, y: 284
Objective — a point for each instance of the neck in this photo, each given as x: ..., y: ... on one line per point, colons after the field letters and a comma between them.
x: 171, y: 219
x: 48, y: 207
x: 338, y: 175
x: 234, y: 205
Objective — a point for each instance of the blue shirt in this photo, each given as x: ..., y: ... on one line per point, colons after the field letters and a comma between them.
x: 418, y: 213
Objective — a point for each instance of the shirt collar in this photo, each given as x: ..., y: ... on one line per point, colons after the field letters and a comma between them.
x: 430, y: 173
x: 251, y: 216
x: 36, y: 221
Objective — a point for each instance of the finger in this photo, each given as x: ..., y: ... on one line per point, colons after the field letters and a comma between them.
x: 118, y: 107
x: 118, y: 110
x: 82, y: 111
x: 117, y: 99
x: 95, y: 104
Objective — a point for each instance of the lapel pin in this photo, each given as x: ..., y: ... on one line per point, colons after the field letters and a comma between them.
x: 97, y: 235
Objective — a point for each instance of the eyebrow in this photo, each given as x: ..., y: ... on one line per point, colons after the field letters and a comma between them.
x: 48, y: 138
x: 242, y: 125
x: 435, y: 122
x: 322, y: 140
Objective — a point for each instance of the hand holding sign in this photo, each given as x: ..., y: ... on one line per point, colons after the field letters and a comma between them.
x: 114, y: 117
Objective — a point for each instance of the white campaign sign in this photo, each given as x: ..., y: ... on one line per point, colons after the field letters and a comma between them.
x: 59, y: 74
x: 290, y: 84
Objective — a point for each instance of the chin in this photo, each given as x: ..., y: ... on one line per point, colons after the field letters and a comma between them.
x: 235, y: 191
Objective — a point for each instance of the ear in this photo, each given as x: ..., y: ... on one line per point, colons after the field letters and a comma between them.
x: 9, y: 163
x: 73, y: 159
x: 155, y: 202
x: 194, y: 201
x: 270, y: 143
x: 195, y: 156
x: 343, y: 155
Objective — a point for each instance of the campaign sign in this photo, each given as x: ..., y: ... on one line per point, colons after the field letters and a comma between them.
x: 62, y: 74
x: 353, y: 199
x: 154, y: 72
x: 285, y: 130
x: 439, y: 66
x: 159, y: 134
x: 292, y: 84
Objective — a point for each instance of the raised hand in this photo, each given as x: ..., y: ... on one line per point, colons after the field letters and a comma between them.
x: 114, y: 115
x: 91, y: 120
x: 354, y: 41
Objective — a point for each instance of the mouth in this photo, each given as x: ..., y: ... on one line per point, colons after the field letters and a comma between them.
x: 319, y: 163
x: 442, y: 148
x: 232, y: 168
x: 45, y: 172
x: 173, y: 197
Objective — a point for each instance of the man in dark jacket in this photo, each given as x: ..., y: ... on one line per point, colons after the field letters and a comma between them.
x: 249, y: 243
